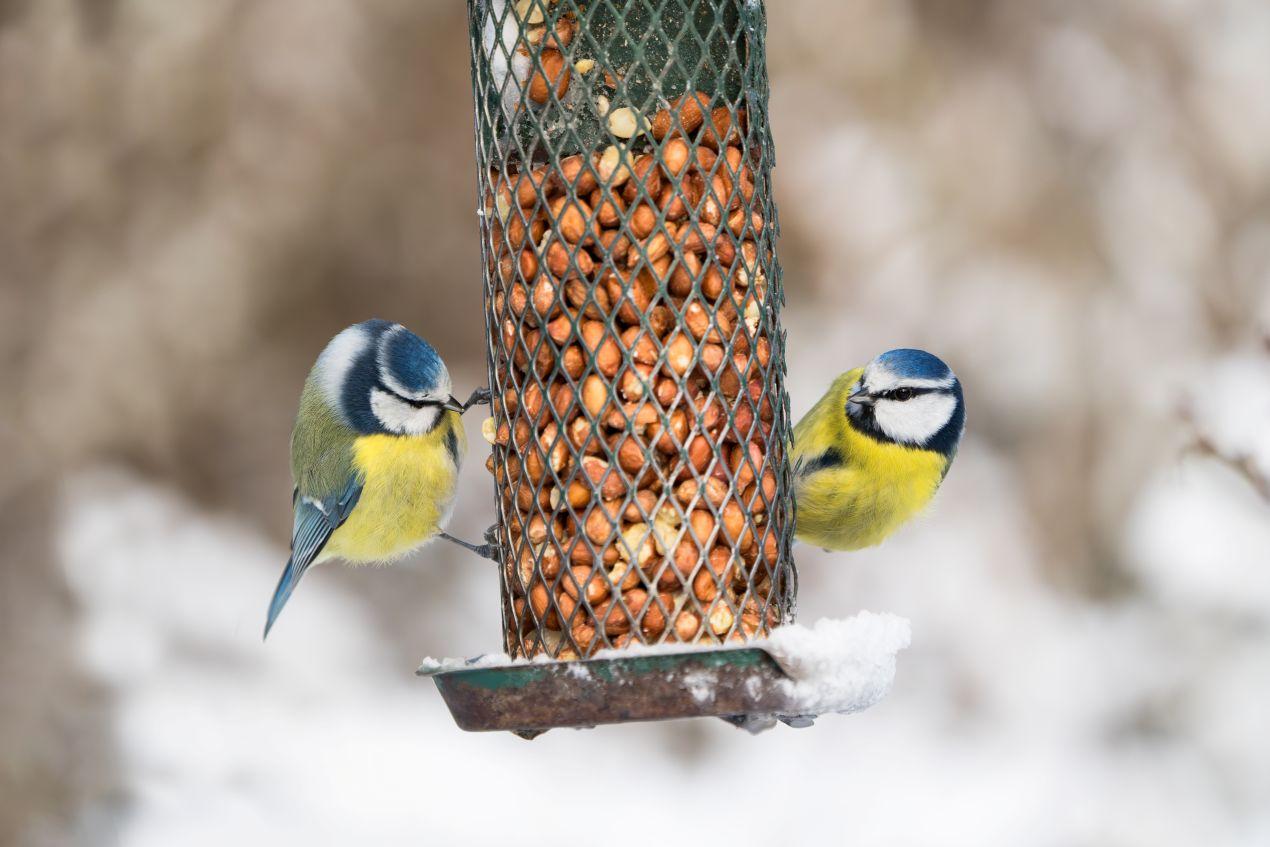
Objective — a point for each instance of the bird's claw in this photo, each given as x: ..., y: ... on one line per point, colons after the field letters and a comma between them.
x: 480, y: 397
x: 491, y: 550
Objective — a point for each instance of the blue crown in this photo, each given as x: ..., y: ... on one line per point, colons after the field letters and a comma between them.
x: 410, y: 360
x: 914, y: 364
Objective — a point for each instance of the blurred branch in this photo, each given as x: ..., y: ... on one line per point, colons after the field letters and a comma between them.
x: 1240, y: 463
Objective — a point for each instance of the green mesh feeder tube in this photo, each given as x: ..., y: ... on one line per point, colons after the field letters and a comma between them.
x: 640, y: 421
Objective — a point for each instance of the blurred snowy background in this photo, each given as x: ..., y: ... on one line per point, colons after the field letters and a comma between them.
x: 1069, y: 201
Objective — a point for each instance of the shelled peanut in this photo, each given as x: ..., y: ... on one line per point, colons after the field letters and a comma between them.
x: 634, y: 391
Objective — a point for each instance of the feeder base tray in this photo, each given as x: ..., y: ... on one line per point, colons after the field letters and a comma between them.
x: 744, y: 686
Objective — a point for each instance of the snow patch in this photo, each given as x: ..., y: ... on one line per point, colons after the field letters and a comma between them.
x: 840, y: 666
x: 430, y: 666
x: 701, y: 685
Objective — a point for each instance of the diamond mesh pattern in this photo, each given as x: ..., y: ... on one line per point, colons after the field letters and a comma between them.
x: 633, y: 296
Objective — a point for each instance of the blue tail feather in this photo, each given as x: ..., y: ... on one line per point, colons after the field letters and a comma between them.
x: 290, y: 577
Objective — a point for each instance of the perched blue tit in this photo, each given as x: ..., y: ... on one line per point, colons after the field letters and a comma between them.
x: 375, y: 452
x: 872, y: 452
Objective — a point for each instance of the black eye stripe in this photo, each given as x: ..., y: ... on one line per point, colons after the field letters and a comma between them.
x: 910, y: 392
x: 418, y: 404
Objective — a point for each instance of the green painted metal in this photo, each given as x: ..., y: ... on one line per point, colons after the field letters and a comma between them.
x: 645, y: 54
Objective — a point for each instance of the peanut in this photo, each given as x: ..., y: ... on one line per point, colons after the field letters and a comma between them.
x: 601, y: 474
x: 572, y: 219
x: 640, y: 346
x: 641, y: 508
x: 645, y: 179
x: 559, y: 265
x: 602, y: 347
x: 679, y: 354
x: 674, y: 156
x: 609, y: 207
x: 721, y: 618
x: 690, y: 109
x: 643, y: 221
x: 552, y: 75
x: 711, y: 490
x: 625, y: 122
x: 614, y: 166
x: 631, y: 456
x: 686, y: 625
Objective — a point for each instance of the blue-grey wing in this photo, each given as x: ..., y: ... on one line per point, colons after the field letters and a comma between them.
x: 316, y: 519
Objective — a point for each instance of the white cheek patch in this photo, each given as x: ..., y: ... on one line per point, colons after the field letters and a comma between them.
x: 914, y: 421
x: 402, y: 418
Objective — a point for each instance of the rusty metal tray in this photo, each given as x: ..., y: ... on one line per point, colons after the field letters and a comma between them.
x: 743, y: 685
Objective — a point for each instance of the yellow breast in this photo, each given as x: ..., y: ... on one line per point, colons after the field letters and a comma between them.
x: 408, y: 491
x: 877, y: 488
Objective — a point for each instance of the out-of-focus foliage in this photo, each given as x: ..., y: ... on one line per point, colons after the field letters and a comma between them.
x: 1067, y: 201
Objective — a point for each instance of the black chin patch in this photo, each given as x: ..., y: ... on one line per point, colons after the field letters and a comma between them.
x: 862, y: 419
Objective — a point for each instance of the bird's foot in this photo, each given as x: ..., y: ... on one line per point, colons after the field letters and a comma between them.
x: 480, y: 397
x: 490, y: 551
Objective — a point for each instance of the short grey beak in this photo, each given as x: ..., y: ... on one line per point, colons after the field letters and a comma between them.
x: 861, y: 397
x: 454, y: 405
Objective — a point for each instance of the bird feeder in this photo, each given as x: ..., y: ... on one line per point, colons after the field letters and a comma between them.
x: 640, y: 422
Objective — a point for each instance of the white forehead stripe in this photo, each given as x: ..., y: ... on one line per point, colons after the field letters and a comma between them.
x: 337, y: 360
x: 381, y: 362
x: 879, y: 377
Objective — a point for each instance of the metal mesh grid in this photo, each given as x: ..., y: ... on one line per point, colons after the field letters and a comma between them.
x: 632, y: 291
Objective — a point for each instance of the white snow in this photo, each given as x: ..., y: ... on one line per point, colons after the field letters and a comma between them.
x: 701, y: 685
x: 430, y: 666
x: 840, y: 666
x: 1014, y: 702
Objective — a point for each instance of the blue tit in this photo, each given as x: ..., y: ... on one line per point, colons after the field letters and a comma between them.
x: 375, y: 452
x: 873, y: 451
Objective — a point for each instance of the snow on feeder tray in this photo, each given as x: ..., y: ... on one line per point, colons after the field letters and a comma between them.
x: 636, y: 361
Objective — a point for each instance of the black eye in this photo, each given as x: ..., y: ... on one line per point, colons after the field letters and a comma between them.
x: 902, y: 394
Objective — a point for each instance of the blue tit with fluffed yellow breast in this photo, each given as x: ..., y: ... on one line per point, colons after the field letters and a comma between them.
x: 873, y: 451
x: 375, y: 452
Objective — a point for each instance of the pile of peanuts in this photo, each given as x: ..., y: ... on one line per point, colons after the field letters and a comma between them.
x: 633, y: 393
